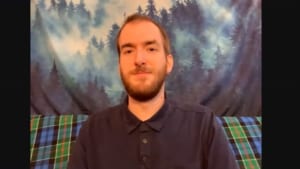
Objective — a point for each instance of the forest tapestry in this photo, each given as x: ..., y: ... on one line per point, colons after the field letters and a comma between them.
x: 216, y: 46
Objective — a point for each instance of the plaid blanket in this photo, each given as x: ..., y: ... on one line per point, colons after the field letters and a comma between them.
x: 244, y: 134
x: 51, y: 138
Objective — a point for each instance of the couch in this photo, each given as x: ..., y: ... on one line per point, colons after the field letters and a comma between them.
x: 52, y: 137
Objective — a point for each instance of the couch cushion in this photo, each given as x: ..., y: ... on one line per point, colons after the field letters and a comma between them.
x: 51, y: 138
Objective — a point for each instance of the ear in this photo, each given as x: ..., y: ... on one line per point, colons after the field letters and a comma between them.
x: 170, y: 63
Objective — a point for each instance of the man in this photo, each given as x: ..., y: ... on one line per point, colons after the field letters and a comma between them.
x: 148, y: 130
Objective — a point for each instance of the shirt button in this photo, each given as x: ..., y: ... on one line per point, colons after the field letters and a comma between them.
x: 144, y: 158
x: 144, y: 140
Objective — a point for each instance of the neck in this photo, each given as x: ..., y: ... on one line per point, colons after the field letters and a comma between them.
x: 145, y: 110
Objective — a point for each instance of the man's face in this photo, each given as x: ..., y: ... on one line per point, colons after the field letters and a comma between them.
x: 143, y: 63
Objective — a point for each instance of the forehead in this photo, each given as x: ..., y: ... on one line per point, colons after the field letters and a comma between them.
x: 139, y: 31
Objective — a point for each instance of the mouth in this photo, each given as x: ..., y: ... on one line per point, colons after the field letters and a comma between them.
x: 141, y: 72
x: 142, y: 75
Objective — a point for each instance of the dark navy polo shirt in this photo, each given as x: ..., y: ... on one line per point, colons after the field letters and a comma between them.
x: 176, y: 137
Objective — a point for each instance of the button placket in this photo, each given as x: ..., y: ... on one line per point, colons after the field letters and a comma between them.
x: 145, y: 144
x: 144, y: 158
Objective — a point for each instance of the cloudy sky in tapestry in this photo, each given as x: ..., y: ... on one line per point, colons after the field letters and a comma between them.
x: 216, y: 45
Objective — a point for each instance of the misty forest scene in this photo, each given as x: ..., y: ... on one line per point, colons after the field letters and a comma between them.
x: 216, y: 45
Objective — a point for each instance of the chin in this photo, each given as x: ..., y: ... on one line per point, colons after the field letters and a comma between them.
x: 142, y: 97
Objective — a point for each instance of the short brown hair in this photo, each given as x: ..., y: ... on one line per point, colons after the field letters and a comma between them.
x: 136, y: 17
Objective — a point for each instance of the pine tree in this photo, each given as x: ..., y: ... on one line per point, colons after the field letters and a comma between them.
x: 55, y: 93
x: 37, y: 100
x: 71, y: 10
x: 112, y: 37
x: 83, y: 18
x: 101, y: 45
x: 99, y: 14
x: 194, y: 16
x: 151, y: 10
x: 94, y: 41
x: 53, y: 6
x: 165, y: 20
x: 41, y: 5
x: 95, y: 97
x: 177, y: 15
x: 37, y: 23
x: 90, y: 56
x: 139, y: 10
x: 62, y: 8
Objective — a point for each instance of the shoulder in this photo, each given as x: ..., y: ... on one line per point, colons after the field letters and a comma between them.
x: 193, y: 113
x: 191, y: 109
x: 97, y: 118
x: 106, y: 113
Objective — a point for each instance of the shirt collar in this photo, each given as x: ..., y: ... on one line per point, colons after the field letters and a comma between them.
x: 155, y: 122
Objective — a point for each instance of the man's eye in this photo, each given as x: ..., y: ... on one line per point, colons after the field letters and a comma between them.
x: 127, y: 51
x: 152, y: 49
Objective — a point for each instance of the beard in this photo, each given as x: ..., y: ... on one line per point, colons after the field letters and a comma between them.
x: 144, y: 92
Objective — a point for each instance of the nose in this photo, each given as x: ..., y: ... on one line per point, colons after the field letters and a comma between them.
x: 140, y: 58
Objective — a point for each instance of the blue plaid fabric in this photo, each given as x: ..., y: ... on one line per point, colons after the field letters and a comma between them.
x: 51, y: 139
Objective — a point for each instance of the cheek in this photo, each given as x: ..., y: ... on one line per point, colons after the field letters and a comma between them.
x: 126, y: 61
x: 124, y: 69
x: 123, y: 64
x: 162, y: 63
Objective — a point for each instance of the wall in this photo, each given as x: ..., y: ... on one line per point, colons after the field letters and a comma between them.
x: 216, y: 45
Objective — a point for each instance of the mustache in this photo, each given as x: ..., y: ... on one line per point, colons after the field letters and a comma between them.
x: 140, y: 69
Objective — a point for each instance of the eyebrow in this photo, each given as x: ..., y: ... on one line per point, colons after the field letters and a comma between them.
x: 149, y: 42
x: 127, y: 45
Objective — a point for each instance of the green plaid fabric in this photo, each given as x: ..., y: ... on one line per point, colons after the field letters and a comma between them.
x: 51, y: 138
x: 244, y: 135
